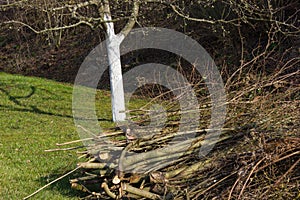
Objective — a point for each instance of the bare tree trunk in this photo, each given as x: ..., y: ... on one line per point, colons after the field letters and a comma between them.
x: 113, y: 42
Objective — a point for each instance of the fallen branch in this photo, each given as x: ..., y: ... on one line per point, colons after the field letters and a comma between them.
x: 142, y: 193
x: 59, y: 178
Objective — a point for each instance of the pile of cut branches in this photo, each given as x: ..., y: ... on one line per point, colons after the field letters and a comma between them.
x: 255, y: 156
x: 258, y: 159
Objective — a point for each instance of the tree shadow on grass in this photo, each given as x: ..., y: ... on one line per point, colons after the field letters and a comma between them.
x: 14, y: 99
x: 26, y: 108
x: 31, y: 108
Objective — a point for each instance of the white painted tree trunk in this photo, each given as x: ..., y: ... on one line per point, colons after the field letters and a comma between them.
x: 113, y: 42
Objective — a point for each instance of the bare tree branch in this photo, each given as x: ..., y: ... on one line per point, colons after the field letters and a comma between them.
x: 175, y: 9
x: 50, y: 29
x: 132, y: 20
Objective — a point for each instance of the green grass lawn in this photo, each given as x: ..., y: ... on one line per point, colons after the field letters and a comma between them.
x: 35, y: 114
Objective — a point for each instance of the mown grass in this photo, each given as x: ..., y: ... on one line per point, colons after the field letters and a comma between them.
x: 35, y: 114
